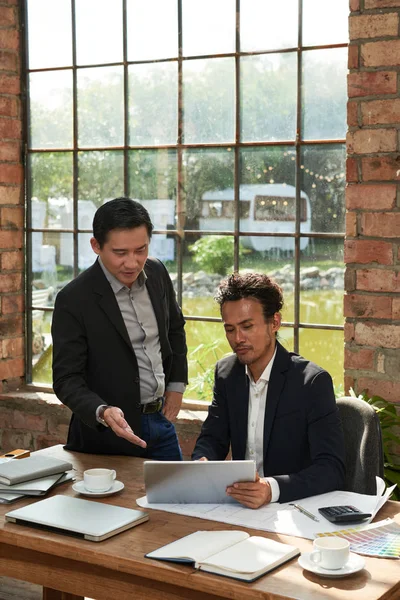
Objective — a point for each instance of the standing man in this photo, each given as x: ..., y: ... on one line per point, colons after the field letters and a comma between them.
x: 270, y: 405
x: 119, y: 349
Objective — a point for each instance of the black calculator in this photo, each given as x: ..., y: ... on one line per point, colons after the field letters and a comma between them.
x: 343, y: 514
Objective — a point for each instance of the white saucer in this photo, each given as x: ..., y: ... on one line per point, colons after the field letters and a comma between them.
x: 80, y: 488
x: 354, y: 564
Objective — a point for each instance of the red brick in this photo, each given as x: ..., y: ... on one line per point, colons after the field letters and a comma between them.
x: 10, y: 194
x: 352, y: 114
x: 396, y: 309
x: 11, y: 174
x: 8, y: 60
x: 380, y: 168
x: 7, y: 16
x: 11, y: 326
x: 377, y: 112
x: 351, y: 224
x: 12, y: 304
x: 370, y: 83
x: 12, y: 282
x: 368, y: 251
x: 12, y: 348
x: 8, y: 106
x: 28, y: 422
x: 350, y: 279
x: 10, y: 128
x: 9, y: 39
x: 381, y: 54
x: 354, y: 5
x: 12, y: 439
x: 12, y: 217
x: 10, y: 151
x: 367, y: 306
x: 377, y: 335
x: 348, y: 331
x: 381, y: 224
x: 358, y: 358
x: 367, y: 196
x: 9, y: 84
x: 378, y: 280
x: 12, y: 261
x: 380, y: 4
x: 353, y: 58
x: 369, y: 141
x: 10, y: 239
x: 372, y: 26
x: 11, y: 368
x: 388, y: 390
x: 349, y: 383
x: 352, y: 169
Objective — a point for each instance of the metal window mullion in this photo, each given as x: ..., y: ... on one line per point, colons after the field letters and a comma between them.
x: 237, y: 160
x: 126, y: 98
x: 75, y: 165
x: 180, y: 212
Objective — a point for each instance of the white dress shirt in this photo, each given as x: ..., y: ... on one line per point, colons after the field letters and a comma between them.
x: 255, y: 424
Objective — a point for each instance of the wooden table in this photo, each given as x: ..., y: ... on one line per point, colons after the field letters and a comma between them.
x: 115, y: 569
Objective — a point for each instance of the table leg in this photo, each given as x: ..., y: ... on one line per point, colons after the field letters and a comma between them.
x: 49, y: 594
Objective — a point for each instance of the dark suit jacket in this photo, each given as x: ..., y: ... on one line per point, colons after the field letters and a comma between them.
x: 93, y: 359
x: 303, y: 439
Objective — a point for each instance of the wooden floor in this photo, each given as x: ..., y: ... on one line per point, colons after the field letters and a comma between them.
x: 13, y: 589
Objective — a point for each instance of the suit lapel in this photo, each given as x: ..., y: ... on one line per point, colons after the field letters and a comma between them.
x: 276, y: 382
x: 105, y: 298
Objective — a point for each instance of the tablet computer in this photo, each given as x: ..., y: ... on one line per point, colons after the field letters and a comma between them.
x: 197, y: 482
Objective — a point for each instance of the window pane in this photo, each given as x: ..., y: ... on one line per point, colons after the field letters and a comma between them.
x: 208, y: 188
x: 153, y: 104
x: 41, y: 347
x: 322, y: 268
x: 86, y: 256
x: 51, y: 109
x: 325, y: 23
x: 152, y: 29
x: 99, y: 34
x: 51, y: 187
x: 100, y: 107
x: 268, y: 25
x: 324, y: 93
x: 208, y: 27
x: 50, y: 33
x: 268, y: 101
x: 209, y: 100
x: 325, y: 348
x: 323, y: 180
x: 52, y: 258
x: 101, y: 176
x: 152, y: 178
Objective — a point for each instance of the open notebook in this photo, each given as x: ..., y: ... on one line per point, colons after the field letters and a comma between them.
x: 94, y: 521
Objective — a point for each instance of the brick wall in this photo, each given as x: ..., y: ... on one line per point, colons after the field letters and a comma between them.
x: 11, y: 201
x: 372, y: 246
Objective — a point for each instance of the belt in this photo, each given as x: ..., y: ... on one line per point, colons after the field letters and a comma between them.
x: 152, y: 407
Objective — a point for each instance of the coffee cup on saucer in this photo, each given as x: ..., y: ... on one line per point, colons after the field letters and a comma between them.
x: 330, y: 552
x: 98, y: 480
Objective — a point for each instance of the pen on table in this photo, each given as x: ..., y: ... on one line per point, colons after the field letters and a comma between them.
x: 305, y: 512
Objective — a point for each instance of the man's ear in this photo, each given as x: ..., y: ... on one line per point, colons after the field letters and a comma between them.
x: 276, y: 321
x: 95, y: 245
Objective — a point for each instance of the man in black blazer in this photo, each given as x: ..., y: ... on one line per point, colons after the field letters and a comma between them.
x: 269, y: 404
x: 119, y: 349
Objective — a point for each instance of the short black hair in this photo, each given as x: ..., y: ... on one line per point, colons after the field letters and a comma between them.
x: 251, y: 285
x: 120, y: 213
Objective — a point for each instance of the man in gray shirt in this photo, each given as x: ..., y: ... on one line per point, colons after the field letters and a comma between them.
x: 119, y: 349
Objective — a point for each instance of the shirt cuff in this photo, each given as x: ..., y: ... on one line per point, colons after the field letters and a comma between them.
x: 275, y: 491
x: 176, y: 386
x: 98, y: 419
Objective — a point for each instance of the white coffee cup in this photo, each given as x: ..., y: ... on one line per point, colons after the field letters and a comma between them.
x: 330, y: 552
x: 98, y: 480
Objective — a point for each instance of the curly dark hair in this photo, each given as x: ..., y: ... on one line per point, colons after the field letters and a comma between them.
x: 251, y: 285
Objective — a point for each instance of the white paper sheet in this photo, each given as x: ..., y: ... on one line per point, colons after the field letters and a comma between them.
x: 281, y: 518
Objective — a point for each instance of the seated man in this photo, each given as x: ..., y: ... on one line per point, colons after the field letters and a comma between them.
x: 269, y: 404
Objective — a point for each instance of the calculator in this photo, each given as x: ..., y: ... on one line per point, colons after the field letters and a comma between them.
x: 343, y: 514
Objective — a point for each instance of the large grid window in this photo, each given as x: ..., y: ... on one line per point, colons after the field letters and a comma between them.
x: 227, y: 121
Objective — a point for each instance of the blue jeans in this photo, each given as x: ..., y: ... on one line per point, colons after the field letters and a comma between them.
x: 161, y: 438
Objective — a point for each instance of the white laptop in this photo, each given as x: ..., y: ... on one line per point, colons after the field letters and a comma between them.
x: 94, y: 521
x: 197, y: 482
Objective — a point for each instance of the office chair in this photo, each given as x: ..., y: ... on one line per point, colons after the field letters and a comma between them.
x: 363, y: 444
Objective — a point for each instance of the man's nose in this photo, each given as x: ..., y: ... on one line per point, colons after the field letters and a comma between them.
x: 131, y: 261
x: 238, y: 336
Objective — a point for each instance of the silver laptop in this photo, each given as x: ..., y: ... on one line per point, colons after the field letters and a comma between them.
x: 94, y: 521
x: 194, y: 482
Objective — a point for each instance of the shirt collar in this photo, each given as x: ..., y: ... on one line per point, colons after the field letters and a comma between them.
x: 116, y: 285
x: 265, y: 375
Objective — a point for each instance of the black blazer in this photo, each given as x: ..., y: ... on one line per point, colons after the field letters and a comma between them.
x: 93, y: 359
x: 303, y: 438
